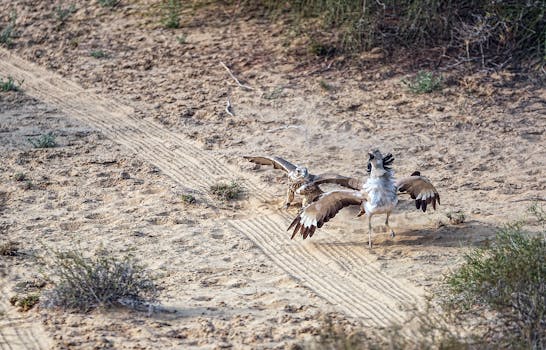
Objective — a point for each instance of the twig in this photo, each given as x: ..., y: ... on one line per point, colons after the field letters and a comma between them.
x: 229, y: 109
x: 246, y: 87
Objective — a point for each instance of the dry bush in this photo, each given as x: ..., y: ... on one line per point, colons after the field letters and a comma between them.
x: 82, y: 283
x: 494, y: 33
x: 227, y: 192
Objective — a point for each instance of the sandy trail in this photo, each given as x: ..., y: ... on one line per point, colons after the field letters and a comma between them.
x: 340, y: 273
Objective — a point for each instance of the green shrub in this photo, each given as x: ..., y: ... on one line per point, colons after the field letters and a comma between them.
x: 19, y: 177
x: 6, y: 34
x: 424, y: 83
x: 82, y: 283
x: 24, y: 302
x: 509, y: 276
x: 326, y: 86
x: 188, y: 198
x: 99, y: 54
x: 63, y: 13
x: 44, y: 141
x: 171, y: 14
x: 8, y: 85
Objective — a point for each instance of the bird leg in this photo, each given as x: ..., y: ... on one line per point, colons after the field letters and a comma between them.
x: 289, y: 198
x: 370, y: 231
x: 388, y: 227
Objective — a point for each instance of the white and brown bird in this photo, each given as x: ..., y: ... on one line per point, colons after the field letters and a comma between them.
x: 377, y: 195
x: 302, y: 182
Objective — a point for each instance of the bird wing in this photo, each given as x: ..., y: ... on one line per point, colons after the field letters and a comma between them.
x: 345, y: 181
x: 277, y: 162
x: 419, y: 188
x: 325, y: 207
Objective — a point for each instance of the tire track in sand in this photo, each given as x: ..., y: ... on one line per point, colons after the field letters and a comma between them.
x: 343, y: 274
x: 19, y: 330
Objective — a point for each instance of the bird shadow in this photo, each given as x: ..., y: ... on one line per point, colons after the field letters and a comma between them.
x: 467, y: 234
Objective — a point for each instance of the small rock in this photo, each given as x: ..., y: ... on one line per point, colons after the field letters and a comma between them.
x: 125, y: 175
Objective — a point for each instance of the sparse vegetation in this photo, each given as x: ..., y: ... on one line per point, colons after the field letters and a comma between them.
x: 8, y: 85
x: 62, y: 13
x: 27, y: 185
x: 83, y: 283
x: 171, y: 14
x: 456, y: 217
x: 108, y: 3
x: 322, y: 50
x: 188, y: 198
x: 325, y: 85
x: 99, y: 54
x: 538, y: 212
x: 424, y: 83
x: 182, y: 39
x: 490, y: 33
x: 25, y: 302
x: 6, y: 35
x: 273, y: 94
x: 44, y: 141
x: 508, y: 277
x: 227, y: 192
x: 9, y: 248
x: 19, y: 177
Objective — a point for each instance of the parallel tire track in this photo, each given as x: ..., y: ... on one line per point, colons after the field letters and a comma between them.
x: 17, y: 330
x: 340, y: 273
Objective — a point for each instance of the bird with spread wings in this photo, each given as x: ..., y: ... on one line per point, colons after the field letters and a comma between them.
x: 377, y: 195
x: 302, y: 182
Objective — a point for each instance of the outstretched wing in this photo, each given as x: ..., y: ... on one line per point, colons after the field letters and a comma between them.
x: 277, y: 162
x: 325, y: 207
x: 353, y: 183
x: 420, y: 189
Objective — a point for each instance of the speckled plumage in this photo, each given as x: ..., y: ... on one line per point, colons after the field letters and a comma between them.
x: 377, y: 195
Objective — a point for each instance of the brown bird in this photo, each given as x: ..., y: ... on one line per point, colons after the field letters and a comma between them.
x: 302, y: 182
x: 377, y: 195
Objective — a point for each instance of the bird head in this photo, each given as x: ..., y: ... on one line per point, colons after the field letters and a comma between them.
x: 378, y: 161
x: 299, y: 173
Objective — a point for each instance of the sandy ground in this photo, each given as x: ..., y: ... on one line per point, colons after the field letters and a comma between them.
x: 229, y: 274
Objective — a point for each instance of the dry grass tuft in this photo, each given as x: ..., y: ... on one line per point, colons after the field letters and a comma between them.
x: 102, y: 280
x: 227, y: 192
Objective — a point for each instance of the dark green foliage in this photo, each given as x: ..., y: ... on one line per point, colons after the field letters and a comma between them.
x: 99, y: 54
x: 8, y: 85
x: 171, y: 14
x: 508, y: 276
x: 82, y: 283
x: 44, y: 141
